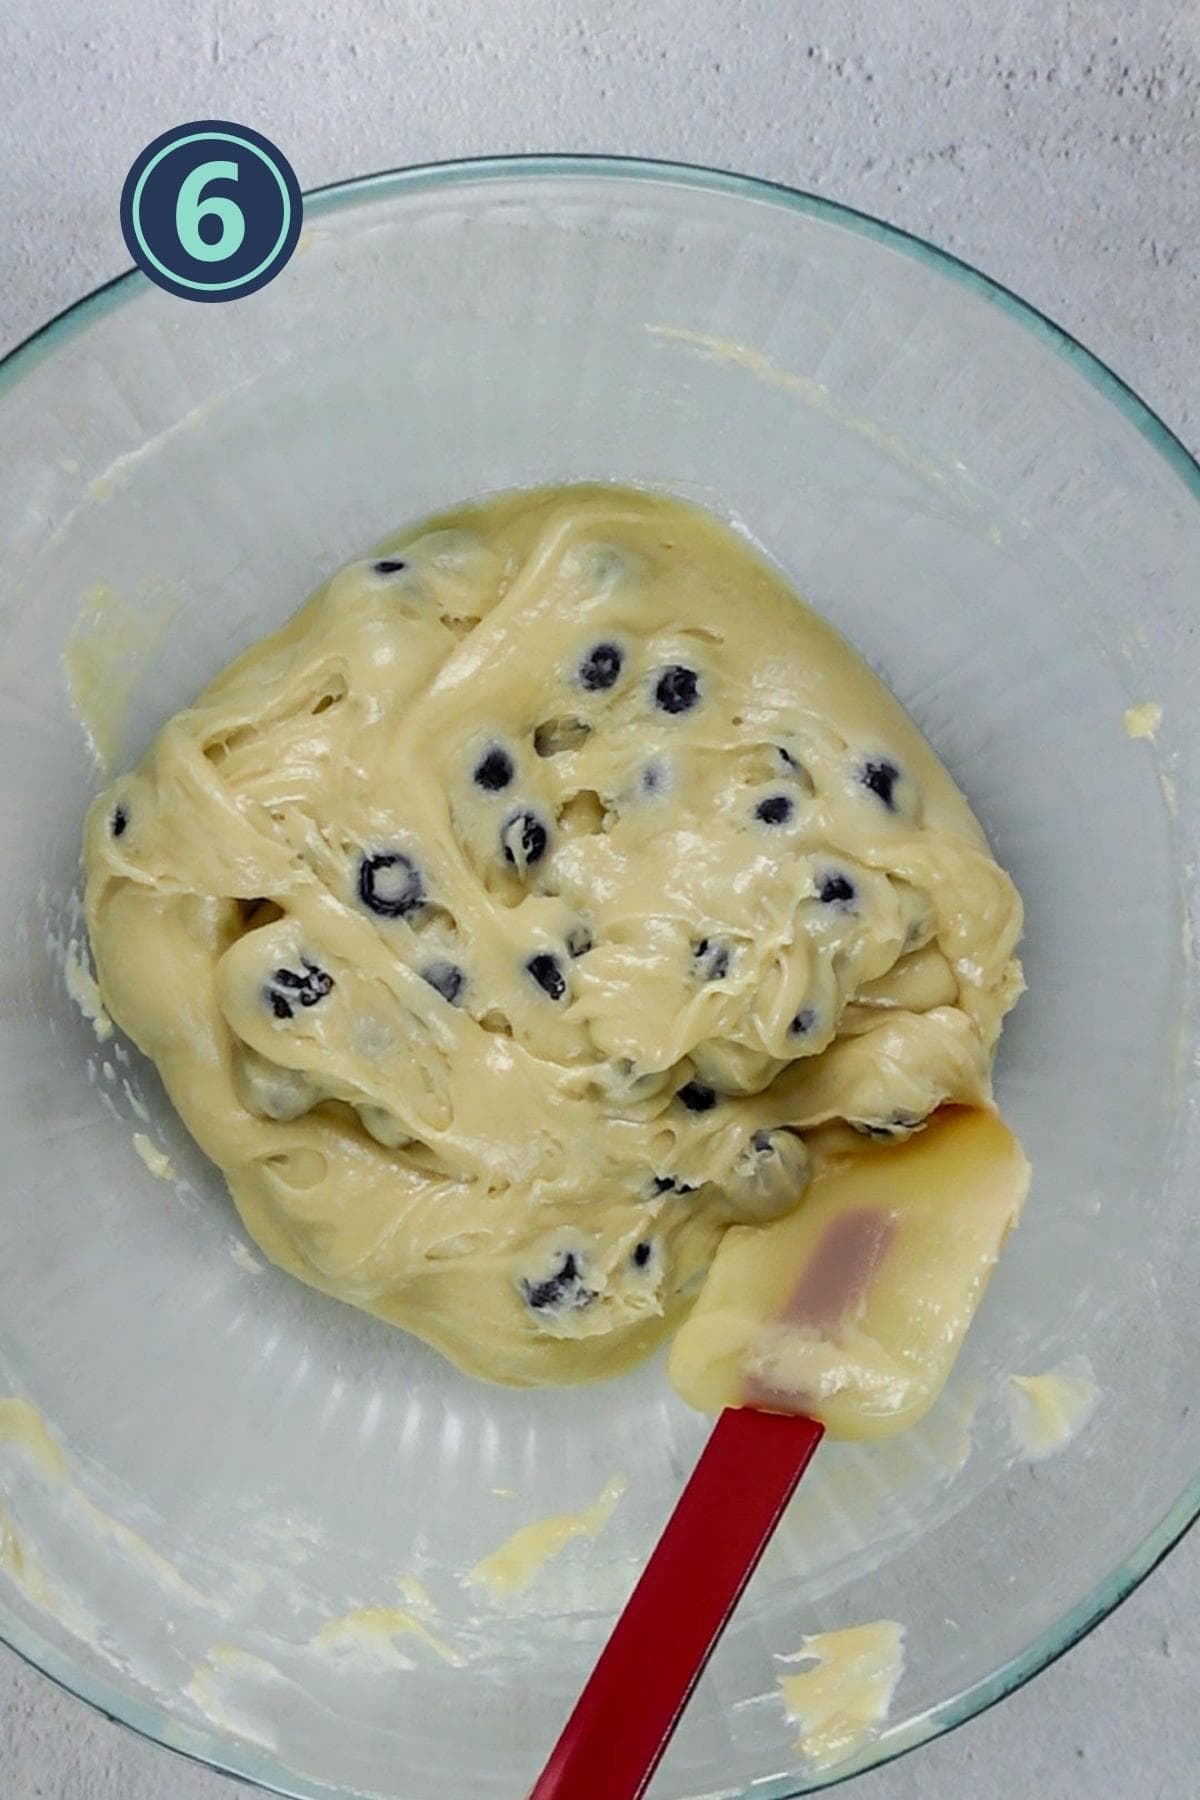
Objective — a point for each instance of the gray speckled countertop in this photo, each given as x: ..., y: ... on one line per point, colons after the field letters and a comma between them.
x: 1055, y: 145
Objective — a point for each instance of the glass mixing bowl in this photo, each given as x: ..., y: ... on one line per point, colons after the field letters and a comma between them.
x: 1014, y: 543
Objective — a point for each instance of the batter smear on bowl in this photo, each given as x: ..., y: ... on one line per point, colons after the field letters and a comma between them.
x: 554, y: 892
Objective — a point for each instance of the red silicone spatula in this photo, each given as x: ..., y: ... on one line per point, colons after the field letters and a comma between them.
x: 712, y: 1544
x: 899, y: 1238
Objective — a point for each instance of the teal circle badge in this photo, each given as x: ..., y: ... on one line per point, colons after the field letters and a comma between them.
x: 211, y: 210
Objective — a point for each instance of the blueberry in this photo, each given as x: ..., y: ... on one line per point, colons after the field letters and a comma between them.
x: 525, y: 840
x: 390, y: 565
x: 641, y: 1254
x: 446, y: 979
x: 713, y: 959
x: 696, y: 1097
x: 836, y: 890
x: 120, y: 820
x: 390, y: 884
x: 308, y: 988
x: 286, y: 989
x: 677, y: 689
x: 803, y: 1022
x: 769, y: 1176
x: 600, y: 668
x: 546, y: 972
x: 776, y: 809
x: 579, y: 940
x: 494, y: 770
x: 899, y: 1125
x: 881, y: 778
x: 562, y: 1291
x: 653, y: 778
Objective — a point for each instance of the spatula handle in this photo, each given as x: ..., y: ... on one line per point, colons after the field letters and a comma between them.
x: 634, y: 1697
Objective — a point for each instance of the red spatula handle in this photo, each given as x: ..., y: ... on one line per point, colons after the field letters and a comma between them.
x: 711, y: 1546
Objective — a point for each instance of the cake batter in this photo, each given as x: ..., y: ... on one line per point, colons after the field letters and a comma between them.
x: 503, y: 924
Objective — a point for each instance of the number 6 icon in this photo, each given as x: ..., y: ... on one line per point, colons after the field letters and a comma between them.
x: 189, y: 233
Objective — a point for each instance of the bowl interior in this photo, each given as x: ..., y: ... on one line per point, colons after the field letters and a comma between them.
x: 1011, y: 544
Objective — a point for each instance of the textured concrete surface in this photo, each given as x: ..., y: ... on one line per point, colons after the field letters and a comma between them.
x: 1057, y: 146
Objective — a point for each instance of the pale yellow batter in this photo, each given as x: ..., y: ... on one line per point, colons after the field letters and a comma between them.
x: 502, y: 924
x: 1047, y: 1411
x: 844, y: 1694
x: 524, y: 1554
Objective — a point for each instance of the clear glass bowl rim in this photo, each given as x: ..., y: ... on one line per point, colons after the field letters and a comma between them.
x: 243, y: 1761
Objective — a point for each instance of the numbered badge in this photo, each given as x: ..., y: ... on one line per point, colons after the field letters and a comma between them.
x: 211, y: 210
